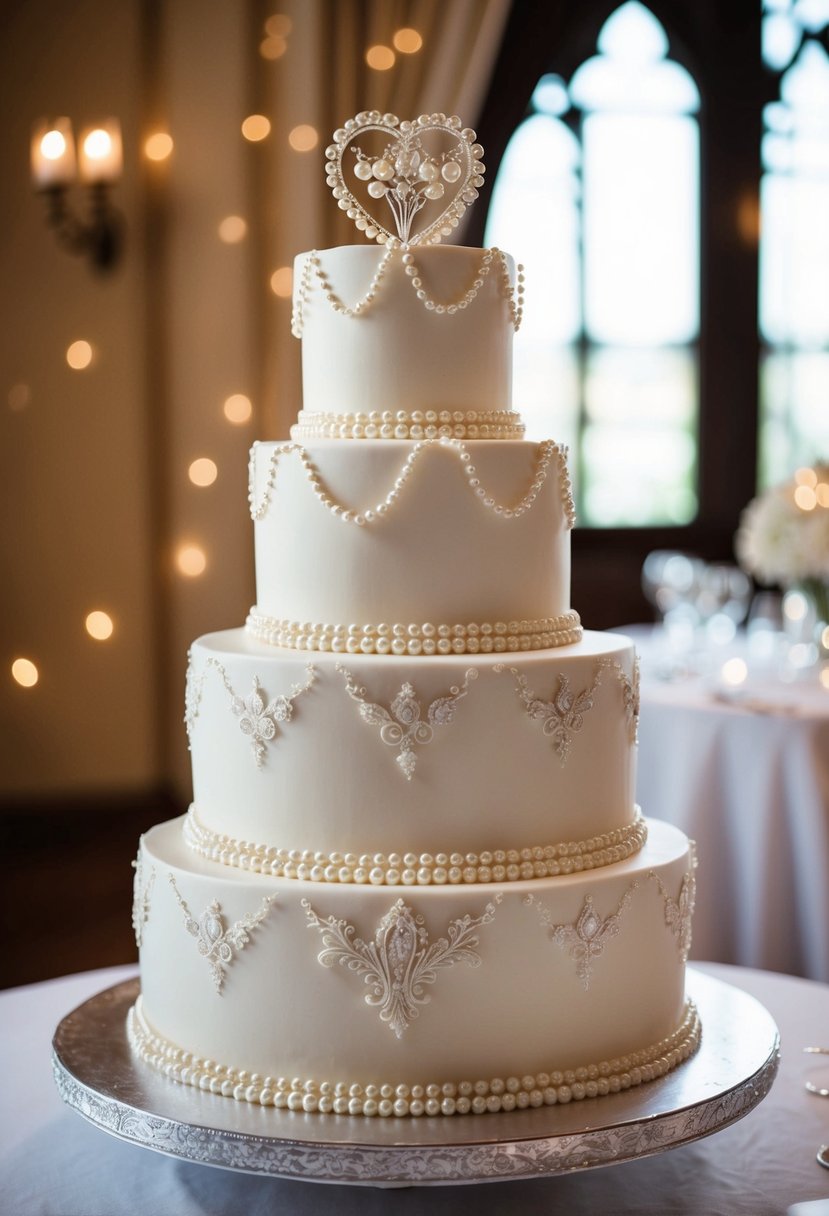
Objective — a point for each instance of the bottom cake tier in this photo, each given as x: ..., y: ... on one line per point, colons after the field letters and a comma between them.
x: 436, y: 1000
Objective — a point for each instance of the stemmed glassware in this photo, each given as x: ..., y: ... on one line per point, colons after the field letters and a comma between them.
x: 819, y: 1083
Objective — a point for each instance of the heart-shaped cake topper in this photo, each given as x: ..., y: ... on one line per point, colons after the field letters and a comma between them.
x: 418, y: 163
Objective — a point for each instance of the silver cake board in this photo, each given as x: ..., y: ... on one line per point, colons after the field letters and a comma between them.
x: 732, y: 1071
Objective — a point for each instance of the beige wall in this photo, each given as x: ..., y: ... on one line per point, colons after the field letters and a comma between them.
x: 95, y: 492
x: 74, y: 461
x: 96, y: 497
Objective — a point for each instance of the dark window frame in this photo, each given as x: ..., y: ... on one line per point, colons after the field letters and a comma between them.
x: 719, y: 44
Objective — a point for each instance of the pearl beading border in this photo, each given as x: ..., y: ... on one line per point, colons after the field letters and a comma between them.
x: 402, y: 424
x: 416, y: 639
x: 486, y: 1096
x: 413, y: 869
x: 313, y: 269
x: 548, y: 452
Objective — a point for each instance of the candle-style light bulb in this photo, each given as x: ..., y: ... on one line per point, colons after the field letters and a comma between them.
x: 52, y: 153
x: 100, y: 152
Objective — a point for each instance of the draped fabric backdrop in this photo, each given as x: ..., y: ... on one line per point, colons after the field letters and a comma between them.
x: 322, y: 80
x: 100, y: 457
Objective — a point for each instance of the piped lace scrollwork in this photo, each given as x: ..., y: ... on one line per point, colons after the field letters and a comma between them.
x: 141, y: 891
x: 402, y: 724
x: 217, y: 942
x: 562, y: 716
x: 259, y: 719
x: 679, y: 912
x: 400, y: 960
x: 406, y: 869
x: 586, y: 939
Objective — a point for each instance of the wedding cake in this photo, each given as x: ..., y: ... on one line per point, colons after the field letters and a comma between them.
x: 413, y: 879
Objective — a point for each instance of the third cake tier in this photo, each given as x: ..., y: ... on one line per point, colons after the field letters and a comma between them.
x: 370, y: 768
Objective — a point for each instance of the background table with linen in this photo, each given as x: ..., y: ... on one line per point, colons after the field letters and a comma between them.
x: 744, y: 771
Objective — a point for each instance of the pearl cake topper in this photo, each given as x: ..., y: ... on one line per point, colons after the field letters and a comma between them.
x: 419, y: 163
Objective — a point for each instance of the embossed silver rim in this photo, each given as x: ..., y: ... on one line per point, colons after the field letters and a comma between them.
x: 96, y: 1075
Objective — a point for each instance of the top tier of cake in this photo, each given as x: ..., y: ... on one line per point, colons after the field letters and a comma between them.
x: 403, y: 332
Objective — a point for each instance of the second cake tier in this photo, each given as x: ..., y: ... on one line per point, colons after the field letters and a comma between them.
x: 411, y: 547
x: 367, y: 768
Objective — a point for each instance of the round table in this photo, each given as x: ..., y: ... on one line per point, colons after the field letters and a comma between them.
x: 56, y: 1164
x: 744, y: 771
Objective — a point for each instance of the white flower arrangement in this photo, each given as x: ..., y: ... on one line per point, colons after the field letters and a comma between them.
x: 784, y: 533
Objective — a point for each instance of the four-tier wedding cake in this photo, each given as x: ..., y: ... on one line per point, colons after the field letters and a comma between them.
x: 413, y: 879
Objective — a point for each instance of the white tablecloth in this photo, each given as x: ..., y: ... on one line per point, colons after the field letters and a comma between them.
x: 53, y: 1163
x: 748, y: 780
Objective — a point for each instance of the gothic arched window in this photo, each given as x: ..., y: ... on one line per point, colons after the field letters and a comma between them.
x: 598, y: 192
x: 794, y: 243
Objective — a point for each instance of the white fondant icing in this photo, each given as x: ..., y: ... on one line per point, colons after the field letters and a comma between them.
x: 400, y: 961
x: 523, y: 1012
x: 485, y: 1096
x: 401, y: 355
x: 490, y: 781
x: 439, y: 553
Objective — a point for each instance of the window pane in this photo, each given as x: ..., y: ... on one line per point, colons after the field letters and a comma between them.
x: 641, y: 245
x: 606, y: 222
x: 794, y: 395
x: 547, y: 391
x: 638, y: 461
x: 534, y: 215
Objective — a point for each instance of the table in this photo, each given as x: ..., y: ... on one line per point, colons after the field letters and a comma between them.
x: 53, y: 1163
x: 745, y: 773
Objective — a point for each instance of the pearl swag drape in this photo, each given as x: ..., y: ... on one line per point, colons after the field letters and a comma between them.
x: 321, y: 80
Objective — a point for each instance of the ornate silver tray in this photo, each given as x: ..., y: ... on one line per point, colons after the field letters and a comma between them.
x: 730, y: 1074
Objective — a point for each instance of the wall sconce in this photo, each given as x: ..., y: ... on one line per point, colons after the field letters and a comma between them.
x: 54, y: 169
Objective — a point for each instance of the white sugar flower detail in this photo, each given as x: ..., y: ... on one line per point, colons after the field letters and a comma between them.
x: 193, y: 686
x: 141, y: 899
x: 630, y: 691
x: 400, y: 960
x: 257, y: 719
x: 563, y: 716
x: 404, y: 726
x: 215, y: 942
x: 679, y: 912
x: 585, y: 940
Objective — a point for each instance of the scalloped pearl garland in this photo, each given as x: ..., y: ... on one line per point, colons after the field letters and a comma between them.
x: 502, y: 637
x: 513, y: 295
x: 418, y: 869
x: 405, y: 424
x: 486, y: 1096
x: 548, y: 453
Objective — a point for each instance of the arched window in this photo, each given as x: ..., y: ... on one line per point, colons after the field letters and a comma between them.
x: 598, y: 193
x: 673, y: 417
x: 794, y: 243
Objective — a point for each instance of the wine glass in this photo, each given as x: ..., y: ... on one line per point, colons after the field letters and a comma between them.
x: 818, y: 1082
x: 723, y: 600
x: 764, y: 629
x: 670, y: 581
